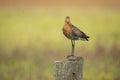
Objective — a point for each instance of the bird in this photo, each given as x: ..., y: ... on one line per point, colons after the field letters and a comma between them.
x: 73, y: 33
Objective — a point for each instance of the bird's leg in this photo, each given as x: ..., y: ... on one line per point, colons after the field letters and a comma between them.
x: 72, y: 52
x: 72, y: 57
x: 73, y: 47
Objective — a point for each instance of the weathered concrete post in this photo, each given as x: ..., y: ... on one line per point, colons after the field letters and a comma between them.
x: 69, y: 70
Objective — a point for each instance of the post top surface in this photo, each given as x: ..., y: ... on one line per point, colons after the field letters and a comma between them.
x: 71, y: 59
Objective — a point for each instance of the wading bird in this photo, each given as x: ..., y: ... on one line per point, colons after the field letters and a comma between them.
x: 73, y: 33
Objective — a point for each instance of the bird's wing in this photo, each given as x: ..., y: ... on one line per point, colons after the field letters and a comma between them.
x: 77, y: 32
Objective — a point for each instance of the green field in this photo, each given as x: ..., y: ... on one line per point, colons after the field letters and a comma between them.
x: 31, y: 40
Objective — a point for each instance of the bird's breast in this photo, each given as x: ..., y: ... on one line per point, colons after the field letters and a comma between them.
x: 67, y: 29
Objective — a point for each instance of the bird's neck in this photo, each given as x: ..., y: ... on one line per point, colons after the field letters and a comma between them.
x: 68, y: 23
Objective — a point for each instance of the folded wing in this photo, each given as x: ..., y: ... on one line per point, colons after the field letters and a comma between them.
x: 77, y: 33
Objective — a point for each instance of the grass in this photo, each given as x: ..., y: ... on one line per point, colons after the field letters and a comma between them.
x: 31, y: 40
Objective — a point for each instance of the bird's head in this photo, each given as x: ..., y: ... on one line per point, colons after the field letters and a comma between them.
x: 67, y: 19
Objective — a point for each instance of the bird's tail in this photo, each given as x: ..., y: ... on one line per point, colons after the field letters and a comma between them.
x: 87, y: 37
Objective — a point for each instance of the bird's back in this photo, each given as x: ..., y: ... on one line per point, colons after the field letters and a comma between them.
x: 73, y: 33
x: 78, y: 34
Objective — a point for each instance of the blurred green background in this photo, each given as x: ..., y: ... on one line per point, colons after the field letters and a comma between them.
x: 31, y: 38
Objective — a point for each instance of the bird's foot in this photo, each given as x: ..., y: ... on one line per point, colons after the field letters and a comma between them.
x: 71, y: 57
